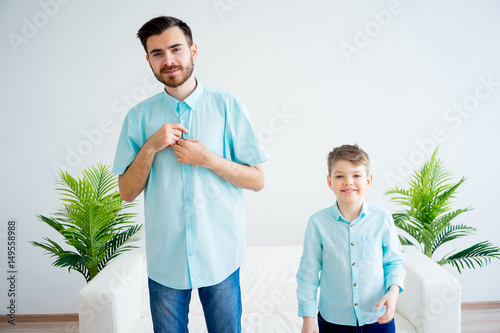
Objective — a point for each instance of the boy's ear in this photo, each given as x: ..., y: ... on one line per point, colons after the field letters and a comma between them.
x: 329, y: 181
x: 369, y: 181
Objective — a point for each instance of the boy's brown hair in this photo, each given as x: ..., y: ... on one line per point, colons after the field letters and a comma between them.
x: 351, y: 153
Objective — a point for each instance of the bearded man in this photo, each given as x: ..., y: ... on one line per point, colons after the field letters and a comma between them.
x: 192, y: 150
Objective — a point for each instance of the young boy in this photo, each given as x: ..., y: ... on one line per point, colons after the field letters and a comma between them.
x: 356, y: 249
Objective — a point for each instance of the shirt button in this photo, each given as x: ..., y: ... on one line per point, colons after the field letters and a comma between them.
x: 190, y: 254
x: 186, y: 170
x: 356, y: 304
x: 355, y: 284
x: 188, y: 198
x: 189, y: 226
x: 351, y: 225
x: 352, y: 244
x: 354, y: 264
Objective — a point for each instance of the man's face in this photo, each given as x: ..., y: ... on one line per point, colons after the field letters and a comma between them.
x: 170, y: 57
x: 349, y: 182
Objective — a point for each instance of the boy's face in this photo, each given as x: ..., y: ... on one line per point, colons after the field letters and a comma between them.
x: 349, y: 182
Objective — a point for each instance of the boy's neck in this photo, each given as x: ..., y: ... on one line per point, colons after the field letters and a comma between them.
x: 350, y: 211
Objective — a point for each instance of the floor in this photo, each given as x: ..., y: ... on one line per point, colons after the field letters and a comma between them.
x: 481, y: 321
x: 48, y: 327
x: 477, y: 321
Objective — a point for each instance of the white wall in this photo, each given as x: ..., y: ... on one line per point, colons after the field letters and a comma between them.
x: 70, y: 68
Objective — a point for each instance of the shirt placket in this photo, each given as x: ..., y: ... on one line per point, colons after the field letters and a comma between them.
x: 354, y: 268
x: 184, y: 115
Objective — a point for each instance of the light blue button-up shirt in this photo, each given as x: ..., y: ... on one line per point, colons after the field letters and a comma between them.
x: 353, y: 264
x: 195, y: 220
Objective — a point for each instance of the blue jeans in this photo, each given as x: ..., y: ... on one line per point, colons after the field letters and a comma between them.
x: 327, y: 327
x: 221, y: 306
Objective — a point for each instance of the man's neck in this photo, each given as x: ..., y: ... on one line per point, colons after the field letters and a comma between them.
x: 350, y: 211
x: 181, y: 92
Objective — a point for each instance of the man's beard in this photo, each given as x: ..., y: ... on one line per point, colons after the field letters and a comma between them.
x: 174, y: 82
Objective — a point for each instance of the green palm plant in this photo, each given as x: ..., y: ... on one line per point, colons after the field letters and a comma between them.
x: 92, y: 220
x: 427, y: 217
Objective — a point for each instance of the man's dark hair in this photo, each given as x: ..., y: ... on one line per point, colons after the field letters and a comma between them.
x: 158, y: 25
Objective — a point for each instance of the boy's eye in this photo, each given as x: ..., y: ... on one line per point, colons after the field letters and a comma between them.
x: 339, y: 176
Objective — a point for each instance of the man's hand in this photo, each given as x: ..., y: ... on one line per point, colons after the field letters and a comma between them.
x: 309, y: 325
x: 192, y: 152
x: 389, y: 300
x: 166, y: 136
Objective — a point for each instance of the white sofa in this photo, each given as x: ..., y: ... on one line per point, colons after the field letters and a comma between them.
x: 117, y: 300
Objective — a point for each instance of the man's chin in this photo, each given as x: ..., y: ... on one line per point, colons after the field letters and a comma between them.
x: 173, y: 84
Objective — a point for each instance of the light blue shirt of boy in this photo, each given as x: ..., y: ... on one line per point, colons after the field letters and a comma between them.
x: 353, y: 264
x: 194, y: 219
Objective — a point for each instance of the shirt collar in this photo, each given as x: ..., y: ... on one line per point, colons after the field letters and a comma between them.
x: 190, y: 101
x: 338, y: 216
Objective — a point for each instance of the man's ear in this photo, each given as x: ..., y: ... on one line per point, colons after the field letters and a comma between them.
x: 194, y: 51
x: 147, y: 58
x: 329, y: 182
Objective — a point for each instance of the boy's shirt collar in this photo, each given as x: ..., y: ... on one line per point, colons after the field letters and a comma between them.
x: 340, y: 218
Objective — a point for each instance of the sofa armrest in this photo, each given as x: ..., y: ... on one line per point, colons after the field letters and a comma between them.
x: 111, y: 302
x: 431, y: 300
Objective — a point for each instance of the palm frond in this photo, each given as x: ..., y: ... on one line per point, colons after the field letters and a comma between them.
x: 427, y: 215
x: 405, y: 241
x: 480, y: 253
x: 93, y: 220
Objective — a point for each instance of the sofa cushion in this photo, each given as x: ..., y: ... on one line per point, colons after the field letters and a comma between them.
x: 285, y: 322
x: 268, y: 283
x: 403, y: 325
x: 250, y: 323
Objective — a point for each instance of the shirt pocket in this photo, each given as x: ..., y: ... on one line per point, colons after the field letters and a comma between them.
x: 372, y: 248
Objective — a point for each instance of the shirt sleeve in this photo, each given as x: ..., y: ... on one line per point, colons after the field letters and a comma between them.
x: 128, y: 147
x: 394, y: 258
x: 308, y: 274
x: 243, y: 142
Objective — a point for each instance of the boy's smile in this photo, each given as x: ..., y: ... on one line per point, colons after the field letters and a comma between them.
x: 349, y: 182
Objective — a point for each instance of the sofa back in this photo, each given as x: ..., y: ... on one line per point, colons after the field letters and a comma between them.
x: 268, y: 283
x: 267, y: 280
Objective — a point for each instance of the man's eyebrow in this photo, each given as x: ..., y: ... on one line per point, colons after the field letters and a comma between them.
x: 155, y: 50
x: 173, y: 46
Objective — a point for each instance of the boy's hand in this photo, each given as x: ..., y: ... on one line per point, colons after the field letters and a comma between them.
x: 389, y: 300
x: 309, y: 325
